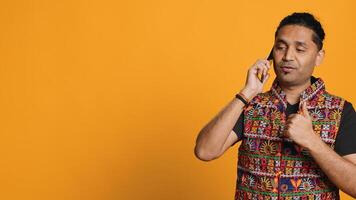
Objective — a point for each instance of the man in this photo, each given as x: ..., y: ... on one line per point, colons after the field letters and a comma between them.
x: 298, y: 140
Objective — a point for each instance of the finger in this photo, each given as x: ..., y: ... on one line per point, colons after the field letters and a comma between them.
x: 255, y: 65
x: 267, y: 63
x: 307, y: 114
x: 264, y: 69
x: 292, y: 116
x: 300, y: 108
x: 254, y: 69
x: 259, y: 70
x: 267, y: 69
x: 290, y: 120
x: 264, y: 61
x: 264, y: 72
x: 304, y: 109
x: 289, y: 124
x: 266, y: 78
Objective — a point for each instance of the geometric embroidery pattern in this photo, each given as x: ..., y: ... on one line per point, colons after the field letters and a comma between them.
x: 273, y: 167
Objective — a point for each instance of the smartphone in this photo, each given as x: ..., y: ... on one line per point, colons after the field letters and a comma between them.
x: 270, y: 56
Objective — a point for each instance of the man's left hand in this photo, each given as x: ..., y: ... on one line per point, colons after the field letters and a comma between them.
x: 299, y: 128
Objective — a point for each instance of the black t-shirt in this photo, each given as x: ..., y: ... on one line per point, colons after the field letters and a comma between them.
x: 345, y: 142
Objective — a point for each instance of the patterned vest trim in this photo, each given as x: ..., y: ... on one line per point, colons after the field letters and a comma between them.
x: 273, y: 167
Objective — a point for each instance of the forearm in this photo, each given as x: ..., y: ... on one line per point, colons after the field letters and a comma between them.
x: 213, y: 136
x: 339, y: 170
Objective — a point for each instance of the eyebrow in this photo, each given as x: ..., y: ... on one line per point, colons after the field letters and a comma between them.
x: 298, y: 43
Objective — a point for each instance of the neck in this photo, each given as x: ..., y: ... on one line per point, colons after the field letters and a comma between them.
x: 293, y: 92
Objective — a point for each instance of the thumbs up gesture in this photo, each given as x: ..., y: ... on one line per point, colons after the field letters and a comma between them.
x: 299, y: 127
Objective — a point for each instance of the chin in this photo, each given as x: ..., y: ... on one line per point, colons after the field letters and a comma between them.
x: 286, y: 79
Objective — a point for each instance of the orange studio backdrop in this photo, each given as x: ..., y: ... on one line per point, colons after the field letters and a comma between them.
x: 103, y: 100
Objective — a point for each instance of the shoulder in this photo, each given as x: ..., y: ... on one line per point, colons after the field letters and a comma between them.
x: 332, y: 100
x: 329, y: 95
x: 348, y: 111
x: 345, y: 142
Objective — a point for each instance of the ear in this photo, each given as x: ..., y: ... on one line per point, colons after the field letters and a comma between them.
x: 319, y: 57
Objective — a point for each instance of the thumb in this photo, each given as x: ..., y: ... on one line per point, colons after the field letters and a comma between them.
x: 304, y: 110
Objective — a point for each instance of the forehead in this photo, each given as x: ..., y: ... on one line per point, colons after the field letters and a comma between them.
x: 295, y: 34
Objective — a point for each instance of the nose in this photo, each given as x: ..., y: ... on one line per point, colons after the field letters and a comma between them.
x: 288, y: 54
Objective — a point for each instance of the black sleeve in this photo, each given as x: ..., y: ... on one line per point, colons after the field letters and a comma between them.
x: 239, y: 126
x: 345, y: 142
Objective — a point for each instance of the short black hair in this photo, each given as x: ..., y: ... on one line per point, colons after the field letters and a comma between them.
x: 307, y: 20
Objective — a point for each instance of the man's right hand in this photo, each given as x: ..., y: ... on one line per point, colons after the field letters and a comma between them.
x: 254, y: 85
x: 218, y: 135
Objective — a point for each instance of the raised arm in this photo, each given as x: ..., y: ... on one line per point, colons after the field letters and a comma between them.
x: 216, y: 136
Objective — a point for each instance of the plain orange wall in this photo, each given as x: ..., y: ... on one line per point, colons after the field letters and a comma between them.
x: 104, y: 99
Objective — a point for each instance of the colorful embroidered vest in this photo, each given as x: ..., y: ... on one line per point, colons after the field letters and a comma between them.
x: 271, y: 166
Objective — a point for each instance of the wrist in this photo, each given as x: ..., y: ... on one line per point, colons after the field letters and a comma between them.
x: 249, y: 94
x: 314, y: 143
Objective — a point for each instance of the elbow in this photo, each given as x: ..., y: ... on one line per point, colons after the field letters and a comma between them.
x: 204, y: 155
